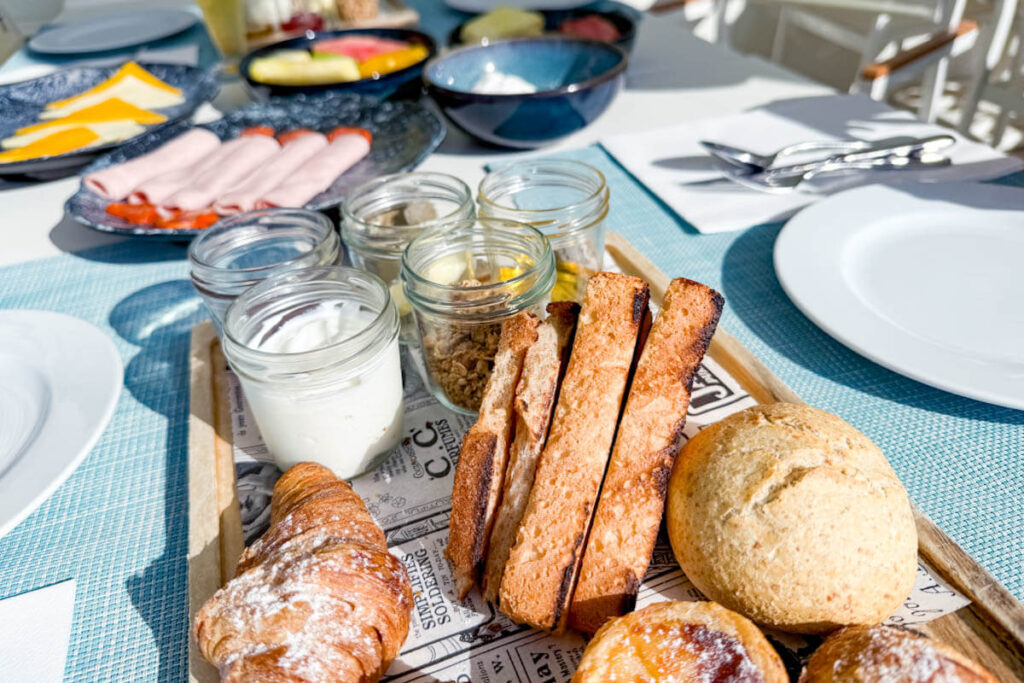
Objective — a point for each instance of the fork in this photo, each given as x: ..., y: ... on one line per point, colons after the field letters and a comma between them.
x: 781, y: 183
x: 755, y: 163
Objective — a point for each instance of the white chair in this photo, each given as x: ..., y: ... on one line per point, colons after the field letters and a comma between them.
x: 1001, y: 46
x: 905, y: 39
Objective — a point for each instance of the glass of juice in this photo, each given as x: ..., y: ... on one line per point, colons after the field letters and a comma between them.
x: 225, y: 20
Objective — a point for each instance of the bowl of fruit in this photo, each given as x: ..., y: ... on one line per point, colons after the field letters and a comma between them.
x: 605, y: 21
x: 368, y: 61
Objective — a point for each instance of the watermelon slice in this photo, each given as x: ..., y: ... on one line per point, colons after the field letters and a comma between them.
x: 359, y: 48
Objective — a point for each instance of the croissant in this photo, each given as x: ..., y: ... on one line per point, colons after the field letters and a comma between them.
x: 317, y: 598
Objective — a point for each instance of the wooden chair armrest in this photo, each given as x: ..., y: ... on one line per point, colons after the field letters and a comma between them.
x: 901, y: 59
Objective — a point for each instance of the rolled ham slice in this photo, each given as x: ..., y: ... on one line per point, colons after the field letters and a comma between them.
x: 116, y: 182
x: 318, y: 173
x: 160, y: 187
x: 277, y: 169
x: 236, y: 159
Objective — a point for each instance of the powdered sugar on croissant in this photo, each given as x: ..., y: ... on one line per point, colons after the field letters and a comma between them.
x: 317, y: 598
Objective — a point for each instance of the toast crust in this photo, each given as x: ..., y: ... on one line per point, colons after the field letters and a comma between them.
x: 542, y: 567
x: 480, y: 472
x: 632, y: 500
x: 535, y: 399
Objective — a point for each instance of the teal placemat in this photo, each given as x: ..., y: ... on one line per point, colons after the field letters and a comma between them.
x: 119, y: 524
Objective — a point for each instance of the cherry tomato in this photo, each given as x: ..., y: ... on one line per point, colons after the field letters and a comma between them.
x: 136, y: 214
x: 188, y: 220
x: 257, y: 130
x: 288, y: 136
x: 346, y: 130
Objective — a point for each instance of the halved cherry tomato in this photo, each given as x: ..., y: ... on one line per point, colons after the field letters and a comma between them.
x: 288, y: 136
x: 188, y: 220
x: 257, y: 130
x: 345, y: 130
x: 136, y: 214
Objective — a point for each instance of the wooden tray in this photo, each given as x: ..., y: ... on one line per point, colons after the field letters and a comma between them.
x: 990, y: 630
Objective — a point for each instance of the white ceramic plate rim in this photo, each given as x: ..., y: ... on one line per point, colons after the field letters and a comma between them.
x: 481, y: 6
x: 64, y: 438
x: 807, y: 262
x: 149, y: 25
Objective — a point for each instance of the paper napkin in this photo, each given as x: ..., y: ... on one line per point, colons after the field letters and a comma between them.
x: 35, y: 630
x: 673, y: 165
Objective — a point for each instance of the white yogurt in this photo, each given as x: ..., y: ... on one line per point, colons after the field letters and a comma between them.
x: 342, y: 420
x: 501, y: 83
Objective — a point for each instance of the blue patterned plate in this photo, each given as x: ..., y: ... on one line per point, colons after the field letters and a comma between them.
x: 22, y: 103
x: 404, y: 134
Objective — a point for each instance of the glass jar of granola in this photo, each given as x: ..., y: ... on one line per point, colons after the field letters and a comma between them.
x: 463, y: 279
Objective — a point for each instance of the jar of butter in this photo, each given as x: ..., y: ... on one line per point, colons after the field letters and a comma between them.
x: 316, y: 352
x: 245, y: 249
x: 564, y: 199
x: 381, y: 217
x: 463, y: 279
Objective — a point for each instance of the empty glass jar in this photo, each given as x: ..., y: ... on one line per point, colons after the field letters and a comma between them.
x: 566, y: 200
x: 381, y: 217
x: 463, y: 279
x: 243, y: 250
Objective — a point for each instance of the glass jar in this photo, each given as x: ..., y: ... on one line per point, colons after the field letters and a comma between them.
x: 565, y: 200
x: 316, y: 351
x: 463, y: 279
x: 243, y: 250
x: 381, y: 217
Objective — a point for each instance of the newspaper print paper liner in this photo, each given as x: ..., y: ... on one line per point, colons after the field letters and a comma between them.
x: 410, y: 497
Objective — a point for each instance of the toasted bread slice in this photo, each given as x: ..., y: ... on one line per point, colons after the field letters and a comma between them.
x: 632, y: 499
x: 481, y: 469
x: 535, y: 399
x: 542, y: 565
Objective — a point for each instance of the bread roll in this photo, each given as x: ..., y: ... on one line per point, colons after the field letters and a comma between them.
x: 680, y: 641
x: 792, y: 517
x: 873, y: 654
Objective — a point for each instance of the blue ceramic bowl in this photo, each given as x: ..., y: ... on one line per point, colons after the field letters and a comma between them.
x: 383, y: 87
x: 576, y: 80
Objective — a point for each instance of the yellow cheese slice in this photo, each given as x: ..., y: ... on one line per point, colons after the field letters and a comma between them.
x: 131, y: 83
x: 113, y: 109
x: 56, y: 143
x: 107, y: 131
x: 128, y: 70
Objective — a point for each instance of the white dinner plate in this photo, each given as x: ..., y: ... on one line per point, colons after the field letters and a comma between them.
x: 926, y: 280
x: 60, y: 378
x: 112, y: 31
x: 481, y: 6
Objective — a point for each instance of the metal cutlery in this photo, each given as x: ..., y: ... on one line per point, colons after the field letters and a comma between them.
x: 851, y: 150
x: 754, y: 162
x: 780, y: 183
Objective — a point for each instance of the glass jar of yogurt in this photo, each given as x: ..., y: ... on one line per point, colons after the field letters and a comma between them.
x: 566, y: 200
x: 245, y: 249
x: 463, y: 279
x: 316, y: 351
x: 381, y: 217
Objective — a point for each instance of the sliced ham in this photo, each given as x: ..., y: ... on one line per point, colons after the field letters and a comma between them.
x: 116, y: 182
x: 160, y: 187
x: 317, y: 174
x: 235, y: 160
x: 277, y: 169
